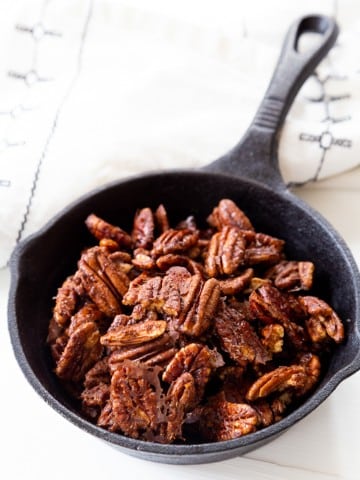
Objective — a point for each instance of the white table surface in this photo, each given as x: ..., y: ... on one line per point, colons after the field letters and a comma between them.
x: 37, y: 443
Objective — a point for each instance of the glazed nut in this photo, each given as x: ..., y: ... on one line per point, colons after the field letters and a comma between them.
x: 227, y: 213
x: 82, y: 351
x: 136, y: 334
x: 174, y: 241
x: 322, y: 323
x: 143, y: 229
x: 101, y: 230
x: 226, y: 252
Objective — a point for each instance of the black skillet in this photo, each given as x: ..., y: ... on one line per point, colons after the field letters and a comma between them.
x: 249, y: 175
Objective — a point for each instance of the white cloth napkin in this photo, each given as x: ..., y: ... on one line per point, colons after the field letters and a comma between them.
x: 91, y: 91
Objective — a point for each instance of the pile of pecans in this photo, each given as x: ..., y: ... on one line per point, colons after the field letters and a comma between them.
x: 189, y: 335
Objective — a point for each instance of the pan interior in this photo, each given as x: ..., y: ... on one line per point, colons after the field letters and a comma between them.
x: 45, y: 260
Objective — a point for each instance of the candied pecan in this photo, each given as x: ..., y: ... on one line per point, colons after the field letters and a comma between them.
x: 273, y: 337
x: 65, y: 301
x: 161, y: 218
x: 97, y: 284
x: 269, y: 305
x: 136, y: 334
x: 101, y: 229
x: 280, y: 403
x: 255, y: 283
x: 111, y: 268
x: 196, y: 359
x: 109, y: 244
x: 143, y: 229
x: 226, y: 252
x: 262, y: 248
x: 292, y: 275
x: 122, y: 320
x: 122, y: 260
x: 58, y: 346
x: 264, y: 412
x: 200, y: 305
x: 178, y: 294
x: 277, y: 380
x: 238, y: 338
x: 97, y: 374
x: 137, y: 399
x: 222, y: 420
x: 159, y: 293
x: 156, y: 352
x: 233, y: 285
x: 144, y: 289
x: 174, y: 241
x: 94, y: 399
x: 312, y: 366
x: 106, y: 418
x: 88, y: 313
x: 174, y: 287
x: 81, y: 352
x: 171, y: 259
x: 143, y: 260
x: 322, y: 323
x: 227, y: 213
x: 180, y: 398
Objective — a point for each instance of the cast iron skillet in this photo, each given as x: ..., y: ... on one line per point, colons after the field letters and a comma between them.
x: 249, y: 175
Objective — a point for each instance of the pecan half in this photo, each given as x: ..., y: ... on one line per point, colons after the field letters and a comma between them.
x: 322, y: 323
x: 136, y: 334
x: 155, y: 352
x: 174, y: 241
x: 162, y: 294
x: 200, y: 305
x: 65, y: 301
x: 269, y: 305
x: 143, y: 260
x: 238, y: 338
x: 106, y: 418
x: 97, y: 374
x: 88, y: 313
x: 136, y: 398
x: 81, y: 352
x: 262, y: 248
x: 180, y: 398
x: 273, y: 337
x: 292, y: 275
x: 143, y: 230
x: 102, y: 281
x: 234, y: 285
x: 161, y: 218
x: 226, y: 252
x: 101, y: 229
x: 222, y: 420
x: 94, y: 399
x: 171, y: 259
x: 227, y: 213
x: 196, y: 359
x: 278, y: 380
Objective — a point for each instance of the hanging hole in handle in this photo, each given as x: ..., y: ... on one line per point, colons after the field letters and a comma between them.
x: 310, y: 34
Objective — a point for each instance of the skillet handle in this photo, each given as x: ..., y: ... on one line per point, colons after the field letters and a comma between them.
x: 255, y: 156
